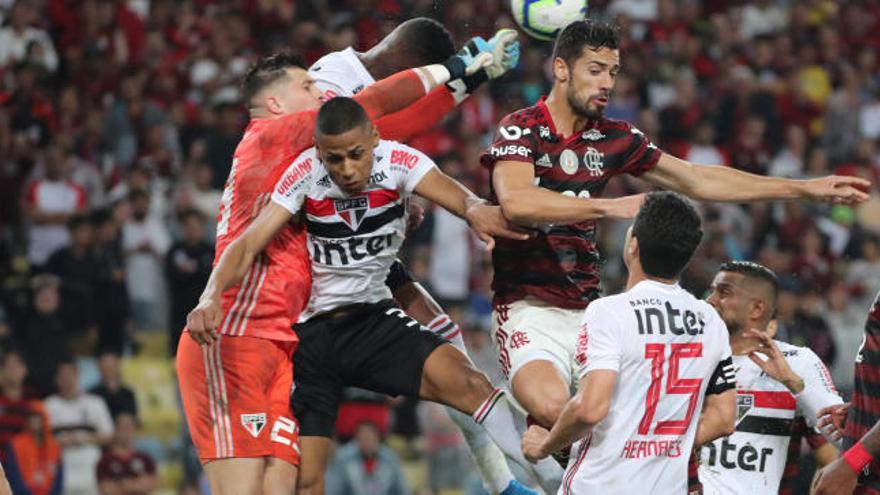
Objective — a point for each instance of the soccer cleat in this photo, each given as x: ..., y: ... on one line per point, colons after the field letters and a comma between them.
x: 517, y: 488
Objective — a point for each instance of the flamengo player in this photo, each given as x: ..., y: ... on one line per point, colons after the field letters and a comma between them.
x: 235, y: 381
x: 775, y: 384
x: 351, y: 192
x: 646, y: 359
x: 549, y: 162
x: 346, y: 73
x: 858, y: 469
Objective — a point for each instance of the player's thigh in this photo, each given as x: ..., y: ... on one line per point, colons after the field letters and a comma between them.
x: 450, y: 378
x: 318, y: 385
x: 236, y: 476
x: 280, y: 477
x: 223, y: 388
x: 284, y: 436
x: 315, y: 457
x: 539, y: 387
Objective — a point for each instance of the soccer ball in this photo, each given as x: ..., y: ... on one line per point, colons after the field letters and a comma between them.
x: 544, y: 19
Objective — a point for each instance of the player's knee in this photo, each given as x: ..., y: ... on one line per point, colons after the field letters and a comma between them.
x: 310, y: 483
x: 548, y: 410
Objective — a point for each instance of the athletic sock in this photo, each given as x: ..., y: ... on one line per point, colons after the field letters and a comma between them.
x: 496, y: 417
x: 445, y: 328
x: 489, y: 459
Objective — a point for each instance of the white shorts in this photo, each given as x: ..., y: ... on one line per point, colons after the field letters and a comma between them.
x: 532, y: 330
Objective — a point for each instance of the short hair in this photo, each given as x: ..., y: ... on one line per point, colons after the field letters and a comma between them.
x: 190, y: 213
x: 78, y: 220
x: 339, y: 115
x: 425, y: 40
x: 589, y: 33
x: 669, y: 230
x: 266, y: 71
x: 754, y: 271
x: 10, y: 352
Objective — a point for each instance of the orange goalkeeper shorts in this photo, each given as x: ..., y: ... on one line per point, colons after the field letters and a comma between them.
x: 236, y: 397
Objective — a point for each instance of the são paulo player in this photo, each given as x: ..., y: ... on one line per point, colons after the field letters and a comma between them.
x: 549, y: 164
x: 234, y: 360
x: 646, y: 359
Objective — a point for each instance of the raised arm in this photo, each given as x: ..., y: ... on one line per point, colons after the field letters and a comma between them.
x: 231, y: 268
x: 719, y: 183
x: 525, y: 203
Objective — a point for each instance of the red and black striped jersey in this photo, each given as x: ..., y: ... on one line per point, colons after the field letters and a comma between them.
x: 865, y: 411
x: 799, y: 431
x: 561, y: 264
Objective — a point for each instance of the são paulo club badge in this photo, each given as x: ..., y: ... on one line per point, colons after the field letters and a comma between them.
x: 352, y: 211
x: 253, y: 423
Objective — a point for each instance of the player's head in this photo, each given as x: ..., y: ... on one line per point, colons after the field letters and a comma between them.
x: 744, y: 294
x: 414, y: 43
x: 663, y: 237
x: 345, y: 138
x: 586, y: 60
x: 278, y: 85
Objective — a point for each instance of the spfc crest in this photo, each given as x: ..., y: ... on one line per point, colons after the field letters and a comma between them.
x: 352, y: 211
x: 253, y: 423
x: 744, y: 403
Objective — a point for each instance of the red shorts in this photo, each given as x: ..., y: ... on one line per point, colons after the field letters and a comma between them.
x: 236, y: 397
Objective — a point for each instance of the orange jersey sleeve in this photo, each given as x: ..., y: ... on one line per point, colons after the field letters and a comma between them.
x: 417, y: 118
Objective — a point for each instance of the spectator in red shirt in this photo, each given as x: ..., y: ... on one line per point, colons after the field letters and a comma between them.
x: 122, y: 469
x: 16, y: 403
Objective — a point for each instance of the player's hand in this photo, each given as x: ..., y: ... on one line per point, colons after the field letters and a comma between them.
x: 489, y: 222
x: 415, y: 217
x: 837, y: 189
x: 505, y: 53
x: 532, y: 443
x: 625, y: 207
x: 203, y: 321
x: 836, y: 478
x: 832, y: 420
x: 775, y: 366
x: 476, y: 54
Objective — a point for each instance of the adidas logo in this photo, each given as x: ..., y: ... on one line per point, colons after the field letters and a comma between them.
x: 544, y: 161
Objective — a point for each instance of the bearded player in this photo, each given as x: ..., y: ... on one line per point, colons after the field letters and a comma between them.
x: 549, y: 165
x: 346, y: 73
x: 234, y: 362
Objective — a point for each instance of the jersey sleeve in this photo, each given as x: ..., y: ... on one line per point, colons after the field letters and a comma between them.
x: 599, y: 345
x: 513, y: 141
x: 408, y: 165
x: 819, y: 390
x: 325, y: 78
x: 293, y: 186
x: 723, y: 378
x: 641, y: 154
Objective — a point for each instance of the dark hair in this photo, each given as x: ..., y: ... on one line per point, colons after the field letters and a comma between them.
x: 755, y: 271
x: 668, y: 230
x: 9, y: 352
x: 185, y: 215
x: 589, y: 33
x: 339, y: 115
x: 266, y: 71
x: 425, y: 40
x: 78, y: 220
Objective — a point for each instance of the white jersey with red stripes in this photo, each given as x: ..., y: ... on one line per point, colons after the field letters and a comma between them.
x: 352, y: 240
x: 340, y: 74
x: 752, y: 460
x: 664, y: 345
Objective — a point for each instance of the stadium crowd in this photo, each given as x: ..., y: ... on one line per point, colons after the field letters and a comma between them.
x: 118, y: 120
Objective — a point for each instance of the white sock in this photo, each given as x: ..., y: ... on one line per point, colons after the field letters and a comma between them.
x: 489, y: 459
x: 445, y: 328
x: 496, y: 417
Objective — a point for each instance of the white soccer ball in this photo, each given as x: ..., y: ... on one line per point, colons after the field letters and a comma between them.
x: 544, y: 19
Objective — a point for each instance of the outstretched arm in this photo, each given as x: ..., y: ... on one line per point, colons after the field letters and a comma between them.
x: 719, y: 183
x: 231, y: 268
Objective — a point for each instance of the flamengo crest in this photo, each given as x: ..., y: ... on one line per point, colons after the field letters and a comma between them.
x: 253, y: 423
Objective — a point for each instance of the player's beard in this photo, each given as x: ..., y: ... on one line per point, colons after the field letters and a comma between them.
x: 582, y: 106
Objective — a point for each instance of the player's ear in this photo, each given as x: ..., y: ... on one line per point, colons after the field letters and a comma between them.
x: 274, y: 105
x: 374, y: 135
x: 757, y: 309
x: 560, y: 69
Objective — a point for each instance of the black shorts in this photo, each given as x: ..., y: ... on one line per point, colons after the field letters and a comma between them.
x: 372, y: 346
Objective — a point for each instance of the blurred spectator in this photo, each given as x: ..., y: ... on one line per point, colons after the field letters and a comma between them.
x: 113, y: 314
x: 118, y: 397
x: 82, y: 426
x: 448, y: 457
x: 16, y: 401
x: 703, y: 149
x: 145, y: 240
x: 50, y: 201
x: 123, y: 470
x: 21, y: 41
x: 76, y: 267
x: 199, y: 194
x: 187, y: 266
x: 44, y: 337
x: 789, y: 161
x: 863, y: 275
x: 365, y: 466
x: 34, y: 458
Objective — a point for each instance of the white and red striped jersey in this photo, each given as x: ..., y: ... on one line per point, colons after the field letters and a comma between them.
x: 752, y: 460
x: 666, y: 347
x: 352, y: 240
x: 275, y: 288
x: 51, y: 196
